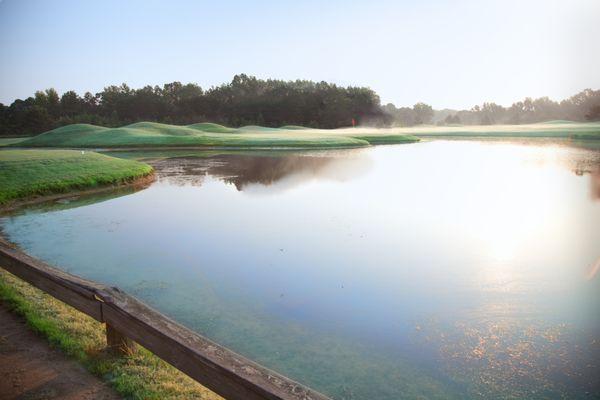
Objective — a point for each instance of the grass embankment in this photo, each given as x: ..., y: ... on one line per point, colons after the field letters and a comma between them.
x: 4, y: 141
x: 150, y: 134
x: 140, y: 376
x: 29, y: 173
x: 550, y: 129
x: 205, y: 134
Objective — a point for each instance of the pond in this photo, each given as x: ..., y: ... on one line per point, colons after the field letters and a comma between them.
x: 442, y: 269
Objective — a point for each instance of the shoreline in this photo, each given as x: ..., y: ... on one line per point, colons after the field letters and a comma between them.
x: 159, y: 147
x: 420, y: 136
x: 135, y: 183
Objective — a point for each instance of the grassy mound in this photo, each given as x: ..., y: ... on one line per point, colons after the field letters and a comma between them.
x: 559, y: 121
x: 205, y: 134
x: 152, y: 134
x: 141, y: 128
x: 258, y: 128
x: 210, y: 127
x: 65, y: 134
x: 8, y: 141
x: 293, y: 127
x: 27, y: 173
x: 387, y: 139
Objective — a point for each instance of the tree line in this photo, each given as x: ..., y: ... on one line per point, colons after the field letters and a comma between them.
x: 247, y: 100
x: 584, y: 106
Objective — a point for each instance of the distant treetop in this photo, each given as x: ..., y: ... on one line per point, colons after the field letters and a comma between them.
x: 247, y: 100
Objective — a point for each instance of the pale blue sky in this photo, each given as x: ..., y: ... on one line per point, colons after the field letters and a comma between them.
x: 446, y: 53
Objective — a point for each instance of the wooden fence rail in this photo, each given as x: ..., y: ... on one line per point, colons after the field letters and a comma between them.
x: 127, y: 319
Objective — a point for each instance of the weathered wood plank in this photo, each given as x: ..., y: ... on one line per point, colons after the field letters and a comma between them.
x: 216, y: 367
x: 221, y: 370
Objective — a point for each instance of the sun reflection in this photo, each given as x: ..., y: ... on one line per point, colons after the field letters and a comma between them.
x: 497, y: 352
x: 509, y: 212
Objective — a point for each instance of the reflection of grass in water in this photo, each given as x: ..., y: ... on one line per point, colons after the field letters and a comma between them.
x: 515, y: 358
x: 155, y: 155
x: 30, y: 173
x: 387, y: 138
x: 76, y: 201
x: 241, y: 168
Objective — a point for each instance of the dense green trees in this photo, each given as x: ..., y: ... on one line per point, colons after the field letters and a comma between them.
x: 584, y: 106
x: 419, y: 114
x: 247, y: 100
x: 452, y: 120
x: 580, y: 107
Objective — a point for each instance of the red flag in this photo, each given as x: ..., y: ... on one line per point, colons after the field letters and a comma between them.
x: 353, y: 123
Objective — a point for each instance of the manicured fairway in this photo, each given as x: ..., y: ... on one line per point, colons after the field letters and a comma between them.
x: 551, y: 129
x: 205, y: 134
x: 26, y: 173
x: 151, y: 134
x: 9, y: 141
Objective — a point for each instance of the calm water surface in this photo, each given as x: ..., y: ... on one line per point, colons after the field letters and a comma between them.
x: 444, y: 269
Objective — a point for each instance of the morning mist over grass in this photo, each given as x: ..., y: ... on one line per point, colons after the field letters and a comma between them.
x: 365, y: 200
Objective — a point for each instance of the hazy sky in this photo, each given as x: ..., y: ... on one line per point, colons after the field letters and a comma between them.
x: 446, y: 53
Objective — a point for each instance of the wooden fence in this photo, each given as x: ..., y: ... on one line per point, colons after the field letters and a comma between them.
x: 128, y: 320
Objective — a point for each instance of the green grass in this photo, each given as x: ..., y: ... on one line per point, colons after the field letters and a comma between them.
x: 141, y: 376
x: 29, y: 173
x: 292, y: 127
x: 387, y: 139
x: 550, y: 129
x: 205, y: 134
x: 210, y: 127
x: 9, y: 141
x: 151, y: 134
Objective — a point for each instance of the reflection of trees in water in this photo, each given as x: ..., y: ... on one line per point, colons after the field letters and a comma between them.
x: 243, y: 170
x: 77, y: 200
x: 181, y: 171
x: 589, y: 165
x: 595, y: 184
x: 594, y: 179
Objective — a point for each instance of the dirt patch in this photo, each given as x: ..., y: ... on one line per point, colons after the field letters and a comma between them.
x: 31, y: 370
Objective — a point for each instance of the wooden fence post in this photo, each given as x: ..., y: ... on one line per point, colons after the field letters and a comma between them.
x: 131, y: 322
x: 117, y: 343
